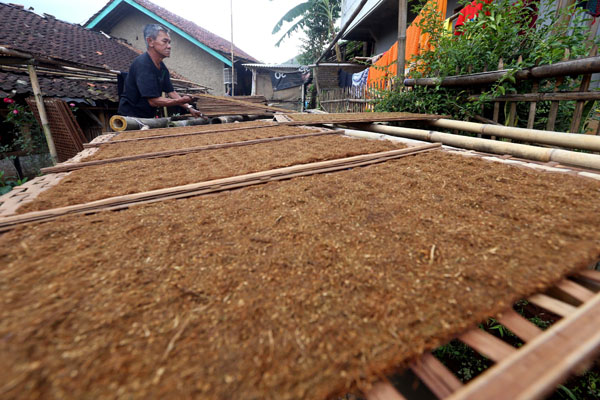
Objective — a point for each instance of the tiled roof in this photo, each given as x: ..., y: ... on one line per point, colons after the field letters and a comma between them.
x: 47, y: 36
x: 209, y: 39
x: 53, y: 86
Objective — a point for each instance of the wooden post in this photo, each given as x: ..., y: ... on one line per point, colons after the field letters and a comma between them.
x: 316, y: 80
x: 554, y: 104
x: 533, y: 106
x: 585, y: 80
x: 402, y: 12
x: 302, y: 98
x: 254, y: 81
x: 165, y: 111
x: 39, y: 101
x: 102, y: 117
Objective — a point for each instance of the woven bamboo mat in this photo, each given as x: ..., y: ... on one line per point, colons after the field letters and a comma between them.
x: 28, y: 192
x: 341, y: 118
x: 66, y: 133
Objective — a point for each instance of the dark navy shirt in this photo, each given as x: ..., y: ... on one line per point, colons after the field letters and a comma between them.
x: 144, y: 81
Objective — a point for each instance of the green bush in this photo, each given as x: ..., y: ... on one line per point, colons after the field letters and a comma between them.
x: 500, y: 32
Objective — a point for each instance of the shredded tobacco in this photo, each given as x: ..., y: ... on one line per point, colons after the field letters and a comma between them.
x: 190, y: 129
x: 99, y: 182
x: 150, y: 146
x: 299, y: 289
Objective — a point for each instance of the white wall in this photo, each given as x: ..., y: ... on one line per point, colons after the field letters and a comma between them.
x: 186, y: 58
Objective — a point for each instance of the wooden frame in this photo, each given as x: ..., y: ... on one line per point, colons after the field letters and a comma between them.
x: 535, y: 369
x: 217, y: 185
x: 180, y: 152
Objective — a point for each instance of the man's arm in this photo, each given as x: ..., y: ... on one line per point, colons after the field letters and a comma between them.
x: 174, y: 95
x: 173, y: 101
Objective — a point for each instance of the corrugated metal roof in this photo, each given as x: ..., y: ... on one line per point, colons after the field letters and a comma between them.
x: 291, y: 67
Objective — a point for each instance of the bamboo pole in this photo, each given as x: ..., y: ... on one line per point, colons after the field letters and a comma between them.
x: 254, y: 81
x: 402, y: 11
x: 536, y: 97
x: 580, y: 66
x: 179, y: 152
x: 567, y: 140
x: 119, y: 123
x: 584, y: 160
x: 217, y: 185
x: 39, y: 101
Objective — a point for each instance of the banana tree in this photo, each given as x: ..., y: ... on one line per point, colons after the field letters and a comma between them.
x: 300, y: 16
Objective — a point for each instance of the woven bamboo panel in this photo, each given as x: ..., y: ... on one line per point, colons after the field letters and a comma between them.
x: 26, y: 193
x: 341, y: 118
x: 66, y: 133
x: 20, y: 195
x: 221, y: 105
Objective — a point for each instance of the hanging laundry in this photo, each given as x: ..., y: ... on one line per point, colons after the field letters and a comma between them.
x: 344, y: 78
x: 531, y: 14
x: 592, y: 7
x: 416, y: 42
x: 384, y: 68
x: 447, y: 27
x: 468, y: 13
x: 359, y: 79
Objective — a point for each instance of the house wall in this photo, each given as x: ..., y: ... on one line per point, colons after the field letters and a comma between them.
x: 383, y: 35
x: 186, y: 58
x: 348, y: 7
x: 287, y: 98
x: 385, y: 41
x: 328, y: 76
x: 264, y: 87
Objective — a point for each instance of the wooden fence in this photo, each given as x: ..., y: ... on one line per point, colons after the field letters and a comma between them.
x: 350, y: 99
x: 541, y: 104
x: 538, y: 108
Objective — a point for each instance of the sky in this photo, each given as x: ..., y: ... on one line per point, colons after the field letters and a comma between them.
x: 253, y: 20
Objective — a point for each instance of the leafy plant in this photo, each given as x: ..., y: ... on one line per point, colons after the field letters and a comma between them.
x: 7, y: 185
x: 317, y: 19
x: 27, y: 132
x: 461, y: 358
x: 584, y: 387
x: 503, y: 31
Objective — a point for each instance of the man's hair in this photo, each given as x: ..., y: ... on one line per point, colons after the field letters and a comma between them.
x: 151, y: 31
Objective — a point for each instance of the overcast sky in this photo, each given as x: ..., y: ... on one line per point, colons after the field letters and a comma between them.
x: 253, y: 20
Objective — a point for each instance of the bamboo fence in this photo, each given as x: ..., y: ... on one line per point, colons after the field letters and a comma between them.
x: 546, y: 84
x: 351, y: 99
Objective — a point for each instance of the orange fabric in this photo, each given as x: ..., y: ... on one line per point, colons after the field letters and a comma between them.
x: 386, y: 67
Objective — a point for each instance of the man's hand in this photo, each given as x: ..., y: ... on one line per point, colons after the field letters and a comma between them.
x: 195, y: 113
x: 184, y: 99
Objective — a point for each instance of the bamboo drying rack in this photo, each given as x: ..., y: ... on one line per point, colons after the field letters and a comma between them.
x: 532, y: 371
x: 569, y: 345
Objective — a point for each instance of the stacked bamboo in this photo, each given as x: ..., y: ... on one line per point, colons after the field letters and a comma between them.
x: 213, y: 106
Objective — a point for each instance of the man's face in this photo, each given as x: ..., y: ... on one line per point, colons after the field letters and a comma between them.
x: 162, y: 44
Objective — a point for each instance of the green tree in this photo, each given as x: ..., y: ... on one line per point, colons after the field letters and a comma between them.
x: 317, y: 18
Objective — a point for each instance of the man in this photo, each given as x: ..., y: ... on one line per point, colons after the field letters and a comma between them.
x: 148, y: 78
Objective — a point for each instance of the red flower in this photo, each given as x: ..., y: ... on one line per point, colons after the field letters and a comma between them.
x: 72, y: 104
x: 8, y: 100
x: 15, y: 112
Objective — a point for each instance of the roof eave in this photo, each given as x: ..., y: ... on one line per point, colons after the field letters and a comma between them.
x: 109, y: 8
